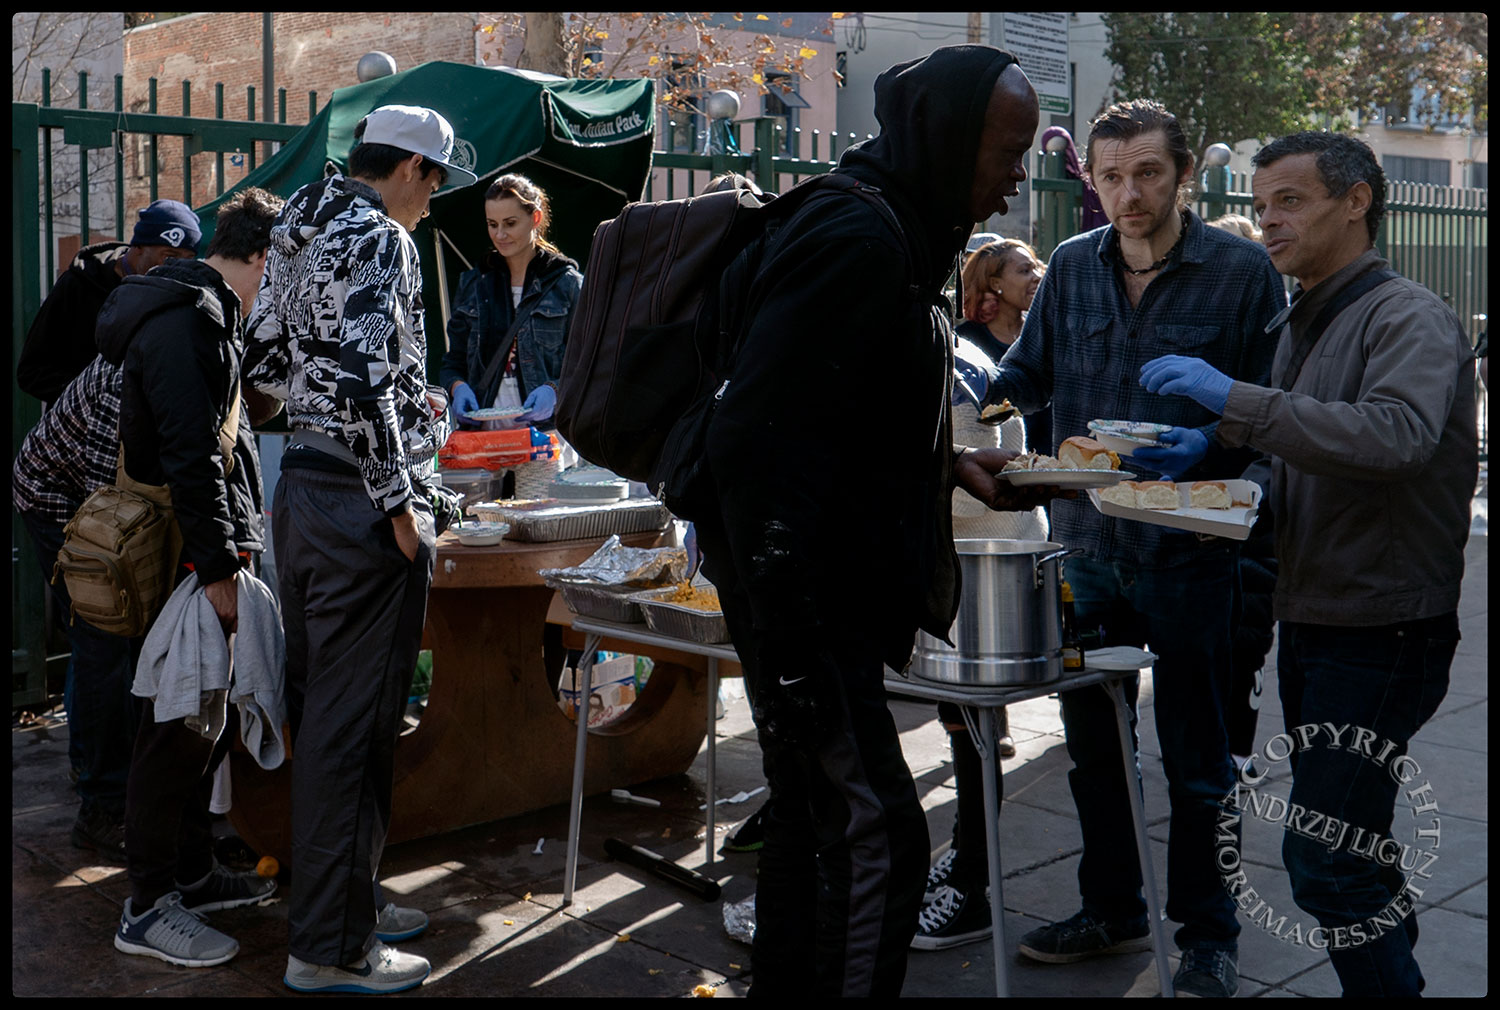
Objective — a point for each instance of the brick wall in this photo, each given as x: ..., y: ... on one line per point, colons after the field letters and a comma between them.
x: 314, y: 52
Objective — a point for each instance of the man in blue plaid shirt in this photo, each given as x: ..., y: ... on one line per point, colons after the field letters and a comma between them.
x: 1155, y: 281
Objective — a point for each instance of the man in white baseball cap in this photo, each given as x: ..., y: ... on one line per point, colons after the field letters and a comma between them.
x: 338, y: 332
x: 420, y: 131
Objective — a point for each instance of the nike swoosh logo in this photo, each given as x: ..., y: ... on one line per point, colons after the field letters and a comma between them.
x: 363, y: 971
x: 794, y: 680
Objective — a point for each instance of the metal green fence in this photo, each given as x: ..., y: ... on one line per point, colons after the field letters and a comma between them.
x: 38, y: 134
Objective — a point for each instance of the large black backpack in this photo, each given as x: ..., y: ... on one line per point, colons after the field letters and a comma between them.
x: 654, y: 332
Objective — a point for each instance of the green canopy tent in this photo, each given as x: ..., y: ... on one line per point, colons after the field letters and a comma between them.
x: 587, y: 143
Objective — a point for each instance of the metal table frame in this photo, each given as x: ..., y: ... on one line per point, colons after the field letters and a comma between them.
x: 596, y: 631
x: 978, y: 705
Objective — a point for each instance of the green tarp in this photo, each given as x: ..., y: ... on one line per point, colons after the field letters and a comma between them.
x: 587, y: 143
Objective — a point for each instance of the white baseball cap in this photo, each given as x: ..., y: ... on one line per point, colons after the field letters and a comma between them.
x: 421, y: 131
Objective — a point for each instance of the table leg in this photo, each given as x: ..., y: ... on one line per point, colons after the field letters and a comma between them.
x: 580, y: 747
x: 713, y: 717
x: 984, y: 742
x: 1142, y: 844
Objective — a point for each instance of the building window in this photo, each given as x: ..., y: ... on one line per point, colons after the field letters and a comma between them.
x: 1479, y: 175
x: 1430, y: 171
x: 783, y: 101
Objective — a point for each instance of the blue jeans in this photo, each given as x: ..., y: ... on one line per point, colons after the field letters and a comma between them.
x: 1389, y: 681
x: 1182, y: 614
x: 102, y: 713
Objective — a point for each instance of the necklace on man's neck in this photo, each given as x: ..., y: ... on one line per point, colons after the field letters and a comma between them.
x: 1161, y: 262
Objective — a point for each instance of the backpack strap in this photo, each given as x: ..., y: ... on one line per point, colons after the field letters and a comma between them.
x: 1351, y: 293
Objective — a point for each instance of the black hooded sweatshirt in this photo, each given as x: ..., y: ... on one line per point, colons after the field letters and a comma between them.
x: 176, y: 334
x: 831, y: 448
x: 60, y: 343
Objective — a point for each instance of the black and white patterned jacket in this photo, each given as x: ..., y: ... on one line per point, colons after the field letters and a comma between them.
x: 337, y: 333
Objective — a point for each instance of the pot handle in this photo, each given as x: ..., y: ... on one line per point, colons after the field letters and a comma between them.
x: 1036, y: 571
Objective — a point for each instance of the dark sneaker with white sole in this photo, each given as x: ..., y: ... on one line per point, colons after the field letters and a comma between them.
x: 1084, y: 936
x: 384, y: 969
x: 952, y: 919
x: 222, y: 889
x: 102, y: 833
x: 1207, y: 973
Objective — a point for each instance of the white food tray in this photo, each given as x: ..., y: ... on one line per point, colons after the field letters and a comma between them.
x: 1233, y: 523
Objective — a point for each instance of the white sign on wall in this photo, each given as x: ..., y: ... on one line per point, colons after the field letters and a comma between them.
x: 1040, y: 42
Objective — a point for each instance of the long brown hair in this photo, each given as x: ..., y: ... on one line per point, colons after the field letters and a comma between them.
x: 531, y: 197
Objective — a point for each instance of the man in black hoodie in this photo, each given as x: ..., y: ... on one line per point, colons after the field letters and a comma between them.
x: 178, y: 334
x: 829, y: 559
x: 60, y: 343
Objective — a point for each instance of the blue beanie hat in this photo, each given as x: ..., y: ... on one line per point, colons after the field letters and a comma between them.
x: 167, y: 222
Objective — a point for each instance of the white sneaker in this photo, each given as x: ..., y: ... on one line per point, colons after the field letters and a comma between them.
x: 395, y: 924
x: 384, y: 969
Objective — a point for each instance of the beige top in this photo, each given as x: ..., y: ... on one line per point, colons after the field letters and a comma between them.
x: 972, y: 519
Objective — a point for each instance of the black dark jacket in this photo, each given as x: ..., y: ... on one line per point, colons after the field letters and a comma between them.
x: 60, y: 343
x: 177, y: 334
x: 483, y: 314
x: 831, y: 448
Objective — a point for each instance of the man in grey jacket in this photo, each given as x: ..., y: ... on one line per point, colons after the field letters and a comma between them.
x: 1370, y: 428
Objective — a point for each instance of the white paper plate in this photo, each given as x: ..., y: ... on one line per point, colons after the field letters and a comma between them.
x: 1065, y: 478
x: 480, y: 534
x: 495, y: 413
x: 1118, y: 657
x: 1125, y: 437
x: 1233, y: 523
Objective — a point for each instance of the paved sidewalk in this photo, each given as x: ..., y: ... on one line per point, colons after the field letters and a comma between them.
x: 498, y: 928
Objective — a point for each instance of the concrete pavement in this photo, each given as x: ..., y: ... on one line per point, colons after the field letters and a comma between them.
x: 499, y: 929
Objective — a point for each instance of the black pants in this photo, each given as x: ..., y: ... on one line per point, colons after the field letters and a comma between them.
x: 353, y: 608
x: 168, y: 829
x: 846, y: 850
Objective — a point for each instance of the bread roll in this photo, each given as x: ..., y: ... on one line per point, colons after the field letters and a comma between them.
x: 1157, y: 494
x: 1083, y: 453
x: 1210, y: 494
x: 1122, y: 493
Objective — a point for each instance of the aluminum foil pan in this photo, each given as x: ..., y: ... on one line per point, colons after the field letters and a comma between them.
x: 604, y: 604
x: 706, y: 627
x: 547, y: 519
x: 619, y: 566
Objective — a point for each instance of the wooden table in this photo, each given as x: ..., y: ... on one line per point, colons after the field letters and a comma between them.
x: 493, y: 742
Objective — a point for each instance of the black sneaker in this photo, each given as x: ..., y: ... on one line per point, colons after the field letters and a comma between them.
x: 953, y: 918
x: 223, y: 888
x: 1084, y: 936
x: 104, y: 834
x: 1208, y: 973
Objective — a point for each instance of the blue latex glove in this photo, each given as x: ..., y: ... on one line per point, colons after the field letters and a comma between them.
x: 1175, y: 375
x: 538, y: 406
x: 975, y: 377
x: 464, y: 401
x: 694, y: 556
x: 1181, y: 448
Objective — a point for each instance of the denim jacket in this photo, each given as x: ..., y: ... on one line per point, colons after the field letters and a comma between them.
x: 482, y: 313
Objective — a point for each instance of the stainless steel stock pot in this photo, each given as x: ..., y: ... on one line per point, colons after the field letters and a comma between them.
x: 1008, y: 631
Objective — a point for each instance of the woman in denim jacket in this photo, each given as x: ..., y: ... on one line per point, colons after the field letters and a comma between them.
x: 525, y: 278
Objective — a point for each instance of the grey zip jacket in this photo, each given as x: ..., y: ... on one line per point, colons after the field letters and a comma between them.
x: 1374, y: 455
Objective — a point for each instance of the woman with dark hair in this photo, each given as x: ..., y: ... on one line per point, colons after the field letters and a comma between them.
x: 510, y: 316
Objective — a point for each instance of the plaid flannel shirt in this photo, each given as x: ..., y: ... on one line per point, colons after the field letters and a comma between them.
x: 73, y: 449
x: 1083, y: 346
